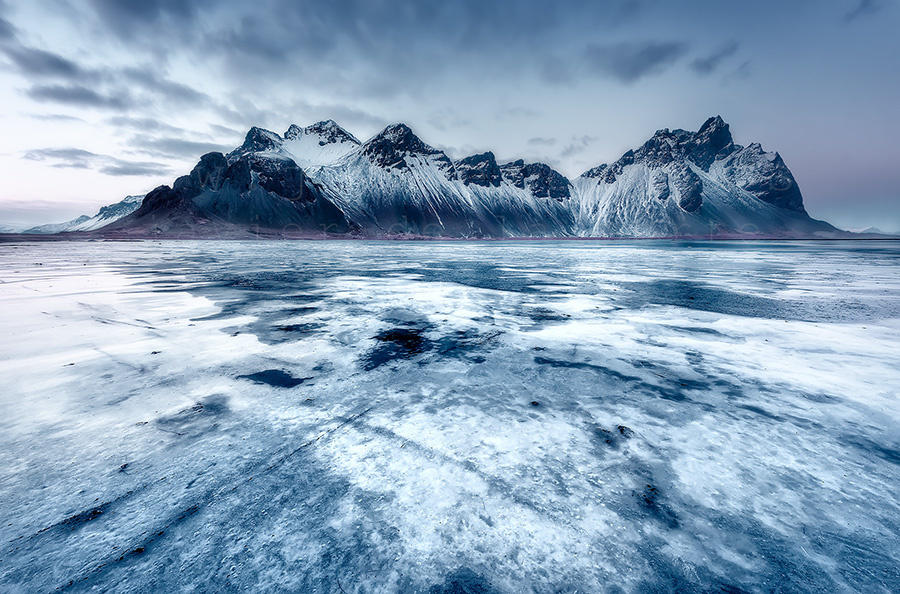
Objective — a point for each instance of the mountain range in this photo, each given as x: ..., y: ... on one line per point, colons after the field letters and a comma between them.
x: 321, y: 179
x: 103, y: 217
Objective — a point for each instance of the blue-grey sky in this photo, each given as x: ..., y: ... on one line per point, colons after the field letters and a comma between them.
x: 103, y: 98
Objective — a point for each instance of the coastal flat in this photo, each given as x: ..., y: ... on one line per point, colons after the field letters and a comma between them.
x: 405, y: 416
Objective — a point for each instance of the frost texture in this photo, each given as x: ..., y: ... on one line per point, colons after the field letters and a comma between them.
x: 501, y: 417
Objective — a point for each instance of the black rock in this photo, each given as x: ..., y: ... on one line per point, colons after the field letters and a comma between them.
x: 282, y: 177
x: 481, y: 170
x: 689, y: 187
x: 765, y: 176
x: 540, y: 179
x: 259, y: 140
x: 395, y: 143
x: 238, y: 176
x: 209, y: 171
x: 710, y: 142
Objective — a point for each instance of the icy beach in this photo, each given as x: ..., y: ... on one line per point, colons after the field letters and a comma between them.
x: 357, y: 416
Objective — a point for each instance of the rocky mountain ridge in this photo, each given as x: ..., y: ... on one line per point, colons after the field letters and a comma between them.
x: 320, y: 178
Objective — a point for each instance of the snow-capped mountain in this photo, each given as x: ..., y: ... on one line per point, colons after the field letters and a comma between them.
x: 322, y: 143
x: 321, y: 178
x: 104, y: 216
x: 692, y: 183
x: 397, y: 184
x: 258, y: 185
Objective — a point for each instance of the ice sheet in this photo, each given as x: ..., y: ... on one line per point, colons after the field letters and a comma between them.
x: 424, y: 416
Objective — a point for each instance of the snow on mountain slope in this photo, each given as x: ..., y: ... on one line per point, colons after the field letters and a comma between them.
x: 51, y: 228
x: 108, y: 214
x: 684, y: 183
x: 395, y: 183
x: 678, y: 183
x: 104, y: 216
x: 322, y: 143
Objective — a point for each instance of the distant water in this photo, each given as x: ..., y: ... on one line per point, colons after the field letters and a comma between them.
x: 450, y: 417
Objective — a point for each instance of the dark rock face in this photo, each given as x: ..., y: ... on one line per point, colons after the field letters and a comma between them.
x: 609, y: 173
x: 765, y: 176
x: 596, y: 172
x: 249, y: 188
x: 209, y: 171
x: 659, y: 185
x: 689, y: 187
x: 713, y: 141
x: 259, y: 184
x: 293, y: 131
x: 160, y: 199
x: 258, y: 140
x: 391, y: 148
x: 238, y: 176
x: 540, y: 179
x: 282, y: 177
x: 481, y: 170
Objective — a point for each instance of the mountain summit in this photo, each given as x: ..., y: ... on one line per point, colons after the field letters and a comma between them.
x: 693, y: 183
x: 320, y: 178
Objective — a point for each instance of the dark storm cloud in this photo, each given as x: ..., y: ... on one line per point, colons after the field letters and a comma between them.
x: 708, y: 64
x: 630, y: 61
x: 75, y: 158
x: 118, y: 167
x: 37, y: 62
x: 64, y: 157
x: 109, y: 85
x: 81, y: 96
x: 55, y: 117
x: 124, y: 16
x: 863, y: 8
x: 171, y: 90
x: 175, y: 148
x: 225, y: 130
x: 371, y: 48
x: 145, y: 124
x: 7, y: 31
x: 577, y: 145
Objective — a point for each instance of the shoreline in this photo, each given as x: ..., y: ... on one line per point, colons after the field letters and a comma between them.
x: 274, y: 236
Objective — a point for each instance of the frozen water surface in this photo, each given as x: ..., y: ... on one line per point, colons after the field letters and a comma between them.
x: 450, y: 417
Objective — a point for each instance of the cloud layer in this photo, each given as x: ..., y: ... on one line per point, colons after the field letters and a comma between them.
x: 148, y: 86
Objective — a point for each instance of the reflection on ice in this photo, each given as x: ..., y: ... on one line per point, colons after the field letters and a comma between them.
x: 364, y: 416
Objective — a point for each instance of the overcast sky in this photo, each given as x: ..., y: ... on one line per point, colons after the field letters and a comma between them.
x: 103, y: 98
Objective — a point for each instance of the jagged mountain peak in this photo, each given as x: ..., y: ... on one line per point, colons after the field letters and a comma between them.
x: 261, y: 139
x: 293, y: 132
x: 257, y: 140
x: 391, y: 147
x: 542, y: 180
x: 678, y: 182
x: 326, y: 131
x: 712, y: 141
x: 480, y: 169
x: 401, y: 135
x: 713, y: 125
